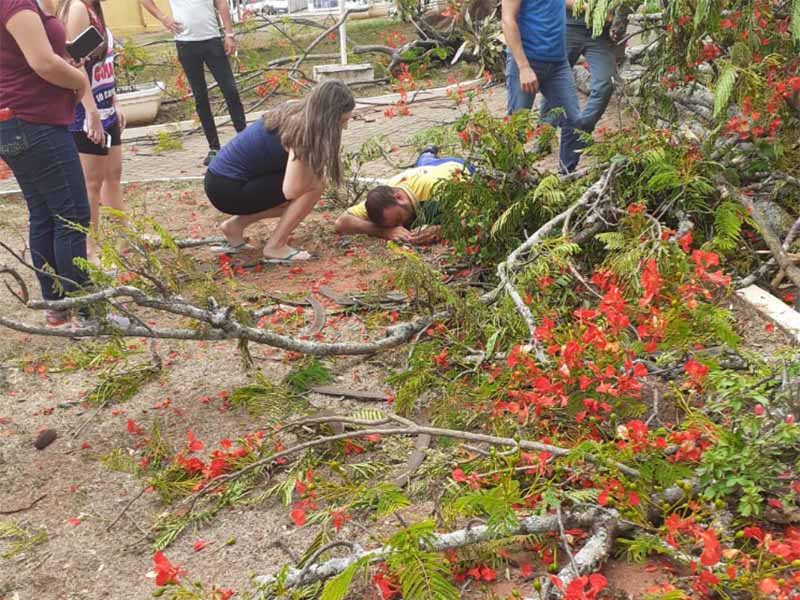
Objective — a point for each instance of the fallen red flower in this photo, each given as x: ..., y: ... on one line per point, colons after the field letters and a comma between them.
x: 166, y: 572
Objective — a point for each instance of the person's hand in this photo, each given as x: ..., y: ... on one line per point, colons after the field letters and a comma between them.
x: 528, y: 81
x: 397, y: 234
x: 94, y: 126
x: 424, y: 234
x: 172, y: 25
x: 76, y: 63
x: 121, y: 119
x: 230, y: 45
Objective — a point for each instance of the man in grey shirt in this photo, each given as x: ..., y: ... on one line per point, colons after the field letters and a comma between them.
x: 198, y: 40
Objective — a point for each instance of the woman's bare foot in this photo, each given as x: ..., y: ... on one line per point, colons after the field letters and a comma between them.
x: 233, y: 231
x: 285, y: 253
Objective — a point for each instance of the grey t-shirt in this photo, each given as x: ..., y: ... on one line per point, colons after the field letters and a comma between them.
x: 198, y: 17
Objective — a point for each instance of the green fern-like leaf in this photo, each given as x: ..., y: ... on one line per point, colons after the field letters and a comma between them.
x: 337, y: 588
x: 422, y: 574
x: 21, y: 537
x: 613, y: 240
x: 701, y: 12
x: 599, y: 14
x: 725, y: 85
x: 390, y: 499
x: 369, y: 414
x: 728, y: 220
x: 796, y: 20
x: 496, y: 503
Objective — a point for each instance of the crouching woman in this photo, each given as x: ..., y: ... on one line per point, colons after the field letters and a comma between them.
x: 277, y: 167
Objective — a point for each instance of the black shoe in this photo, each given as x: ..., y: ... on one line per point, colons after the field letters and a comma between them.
x: 431, y: 149
x: 209, y: 157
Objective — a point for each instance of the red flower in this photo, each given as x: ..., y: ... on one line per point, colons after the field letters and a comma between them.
x: 298, y: 516
x: 768, y: 586
x: 339, y: 518
x: 651, y: 282
x: 386, y: 583
x: 441, y: 359
x: 712, y: 549
x: 696, y: 371
x: 166, y: 572
x: 193, y: 443
x: 585, y: 588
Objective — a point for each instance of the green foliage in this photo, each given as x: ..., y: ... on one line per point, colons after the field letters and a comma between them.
x: 121, y: 386
x: 725, y: 86
x: 21, y: 537
x: 421, y: 573
x: 420, y: 376
x: 750, y: 452
x: 269, y: 400
x: 386, y: 499
x: 486, y: 212
x: 166, y: 141
x: 643, y: 546
x: 796, y: 20
x: 337, y: 588
x: 308, y: 374
x: 93, y: 355
x: 496, y: 504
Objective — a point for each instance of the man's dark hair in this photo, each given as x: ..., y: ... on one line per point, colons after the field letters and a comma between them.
x: 379, y: 199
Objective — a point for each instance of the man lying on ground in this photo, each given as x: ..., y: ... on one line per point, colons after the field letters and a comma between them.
x: 404, y: 209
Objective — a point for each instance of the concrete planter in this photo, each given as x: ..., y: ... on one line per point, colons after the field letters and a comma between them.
x: 141, y: 103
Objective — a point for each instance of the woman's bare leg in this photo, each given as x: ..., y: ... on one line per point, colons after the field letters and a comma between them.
x: 94, y: 168
x: 111, y: 192
x: 277, y: 246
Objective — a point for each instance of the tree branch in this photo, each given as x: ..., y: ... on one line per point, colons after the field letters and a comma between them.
x: 440, y: 542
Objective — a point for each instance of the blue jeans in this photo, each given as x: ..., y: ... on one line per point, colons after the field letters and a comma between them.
x: 599, y: 53
x: 558, y: 88
x: 45, y: 163
x: 429, y: 159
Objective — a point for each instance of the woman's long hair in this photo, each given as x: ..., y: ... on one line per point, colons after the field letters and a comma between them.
x: 312, y: 127
x: 62, y: 12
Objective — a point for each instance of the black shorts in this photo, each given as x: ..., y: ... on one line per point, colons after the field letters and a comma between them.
x: 234, y: 197
x: 87, y: 146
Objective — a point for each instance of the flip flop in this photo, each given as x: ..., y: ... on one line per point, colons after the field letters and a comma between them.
x: 227, y: 248
x: 290, y: 258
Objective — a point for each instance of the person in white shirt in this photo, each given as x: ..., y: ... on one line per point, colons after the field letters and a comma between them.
x: 198, y: 40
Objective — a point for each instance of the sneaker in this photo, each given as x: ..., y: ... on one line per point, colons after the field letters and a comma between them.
x: 209, y: 157
x: 114, y: 320
x: 57, y: 318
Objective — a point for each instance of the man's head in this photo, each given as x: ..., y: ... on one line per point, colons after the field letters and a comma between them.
x: 389, y: 207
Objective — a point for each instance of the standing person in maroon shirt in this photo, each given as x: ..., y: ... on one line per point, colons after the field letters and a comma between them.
x: 38, y: 93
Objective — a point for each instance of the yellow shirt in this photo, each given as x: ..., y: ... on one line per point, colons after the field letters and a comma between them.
x: 418, y: 183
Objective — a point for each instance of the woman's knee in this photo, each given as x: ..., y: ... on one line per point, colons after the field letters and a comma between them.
x: 94, y: 181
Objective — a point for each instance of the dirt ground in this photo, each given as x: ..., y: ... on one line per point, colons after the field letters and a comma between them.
x: 75, y: 498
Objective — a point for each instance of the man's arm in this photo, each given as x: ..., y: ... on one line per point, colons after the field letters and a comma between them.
x: 227, y: 25
x: 166, y: 20
x: 527, y: 78
x: 350, y: 224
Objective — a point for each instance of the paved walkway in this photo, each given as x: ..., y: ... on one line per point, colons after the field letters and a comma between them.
x: 142, y: 164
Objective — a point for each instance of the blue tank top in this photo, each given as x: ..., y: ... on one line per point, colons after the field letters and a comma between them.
x: 542, y: 26
x: 101, y: 78
x: 253, y: 152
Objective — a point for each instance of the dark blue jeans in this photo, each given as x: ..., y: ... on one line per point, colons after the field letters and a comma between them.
x: 45, y: 162
x: 558, y: 88
x: 599, y: 53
